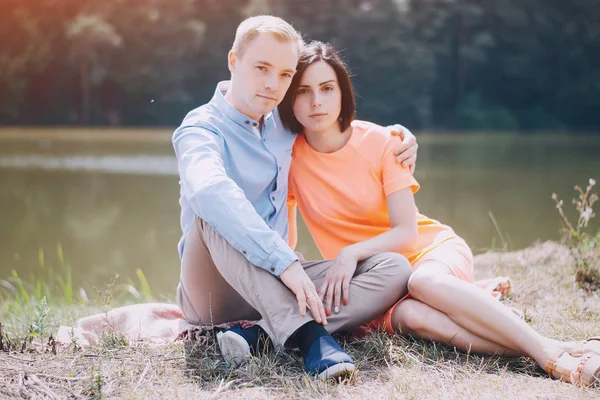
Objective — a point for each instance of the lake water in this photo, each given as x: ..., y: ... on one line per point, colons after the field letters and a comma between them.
x: 109, y: 198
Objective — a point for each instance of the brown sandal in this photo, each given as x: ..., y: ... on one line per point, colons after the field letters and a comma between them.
x: 578, y: 349
x: 586, y: 374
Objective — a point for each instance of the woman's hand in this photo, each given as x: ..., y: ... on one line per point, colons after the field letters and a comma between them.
x: 336, y: 286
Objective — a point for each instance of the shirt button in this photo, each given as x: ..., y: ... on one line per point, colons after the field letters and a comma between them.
x: 280, y: 168
x: 273, y: 198
x: 255, y: 124
x: 244, y: 252
x: 247, y: 122
x: 272, y: 269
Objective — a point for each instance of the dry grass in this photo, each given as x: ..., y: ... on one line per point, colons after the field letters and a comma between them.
x: 389, y: 367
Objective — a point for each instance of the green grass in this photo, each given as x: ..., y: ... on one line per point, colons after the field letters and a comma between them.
x: 388, y: 366
x: 47, y: 298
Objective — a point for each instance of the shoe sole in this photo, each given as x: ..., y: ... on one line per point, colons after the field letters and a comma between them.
x: 337, y: 370
x: 234, y: 348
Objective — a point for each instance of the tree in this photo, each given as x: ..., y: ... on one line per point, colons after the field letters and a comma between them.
x: 91, y: 39
x: 24, y: 50
x: 435, y: 64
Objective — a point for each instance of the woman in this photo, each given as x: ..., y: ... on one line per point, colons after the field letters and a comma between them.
x: 357, y: 201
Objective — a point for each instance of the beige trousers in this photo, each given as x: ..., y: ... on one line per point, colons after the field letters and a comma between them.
x: 218, y: 284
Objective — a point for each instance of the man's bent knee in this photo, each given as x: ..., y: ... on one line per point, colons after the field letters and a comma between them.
x: 398, y: 270
x: 187, y: 309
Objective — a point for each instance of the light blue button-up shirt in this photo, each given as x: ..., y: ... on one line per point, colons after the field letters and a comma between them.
x: 234, y: 177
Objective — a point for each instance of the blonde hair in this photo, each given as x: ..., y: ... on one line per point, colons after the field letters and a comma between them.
x: 251, y: 27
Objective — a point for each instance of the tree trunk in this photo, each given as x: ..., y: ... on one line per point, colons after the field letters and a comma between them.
x: 85, y: 92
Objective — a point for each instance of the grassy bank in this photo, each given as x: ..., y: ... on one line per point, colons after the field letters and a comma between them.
x: 544, y: 289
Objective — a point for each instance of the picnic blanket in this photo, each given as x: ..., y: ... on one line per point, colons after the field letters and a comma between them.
x: 157, y: 324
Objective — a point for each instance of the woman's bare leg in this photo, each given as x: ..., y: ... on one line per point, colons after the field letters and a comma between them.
x: 423, y: 321
x: 478, y: 313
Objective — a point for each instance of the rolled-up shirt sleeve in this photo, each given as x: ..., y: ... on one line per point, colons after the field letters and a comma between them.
x: 218, y: 200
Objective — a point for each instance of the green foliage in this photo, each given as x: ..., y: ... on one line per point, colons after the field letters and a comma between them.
x: 32, y: 307
x: 588, y: 258
x: 112, y: 339
x: 440, y: 64
x: 584, y: 248
x: 56, y: 286
x: 94, y: 390
x: 145, y: 292
x: 40, y: 324
x: 472, y: 114
x: 20, y: 60
x: 48, y: 283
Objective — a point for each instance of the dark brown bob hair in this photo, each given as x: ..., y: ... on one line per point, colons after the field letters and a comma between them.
x: 311, y: 53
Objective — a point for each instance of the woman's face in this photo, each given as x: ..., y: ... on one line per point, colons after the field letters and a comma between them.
x: 319, y: 99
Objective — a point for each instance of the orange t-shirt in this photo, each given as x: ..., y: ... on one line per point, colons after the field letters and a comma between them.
x: 342, y: 195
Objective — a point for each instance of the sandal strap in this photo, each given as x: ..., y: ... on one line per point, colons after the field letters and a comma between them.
x: 576, y: 375
x: 551, y: 363
x: 577, y: 349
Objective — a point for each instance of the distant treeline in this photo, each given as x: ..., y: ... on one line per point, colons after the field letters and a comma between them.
x: 525, y: 65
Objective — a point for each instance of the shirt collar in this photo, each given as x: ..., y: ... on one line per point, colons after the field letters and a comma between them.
x: 229, y: 110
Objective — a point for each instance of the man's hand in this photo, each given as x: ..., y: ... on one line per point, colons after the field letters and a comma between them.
x: 406, y: 152
x: 337, y: 281
x: 296, y: 279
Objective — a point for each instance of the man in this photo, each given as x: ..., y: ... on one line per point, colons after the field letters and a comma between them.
x: 234, y: 156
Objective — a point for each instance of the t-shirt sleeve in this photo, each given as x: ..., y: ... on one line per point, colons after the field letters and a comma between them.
x: 395, y: 176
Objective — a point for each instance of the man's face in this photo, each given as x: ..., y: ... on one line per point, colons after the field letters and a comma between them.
x: 262, y: 75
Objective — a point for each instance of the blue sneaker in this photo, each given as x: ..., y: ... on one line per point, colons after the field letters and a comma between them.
x: 326, y: 359
x: 238, y: 344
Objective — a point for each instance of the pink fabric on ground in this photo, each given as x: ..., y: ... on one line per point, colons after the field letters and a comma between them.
x: 152, y: 323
